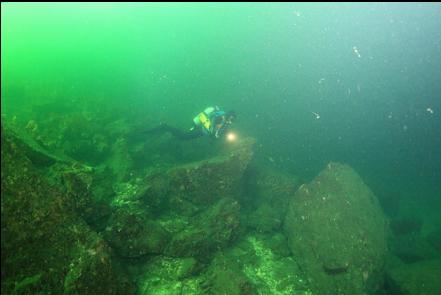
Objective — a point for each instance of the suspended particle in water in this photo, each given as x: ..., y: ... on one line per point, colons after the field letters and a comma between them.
x: 317, y: 116
x: 356, y: 52
x: 429, y: 110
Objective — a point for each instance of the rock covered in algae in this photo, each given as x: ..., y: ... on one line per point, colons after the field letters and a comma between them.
x: 80, y: 134
x: 166, y: 275
x: 46, y: 247
x: 225, y: 276
x: 207, y: 232
x: 88, y: 188
x: 266, y: 263
x: 207, y: 208
x: 132, y: 233
x: 337, y: 232
x: 204, y: 182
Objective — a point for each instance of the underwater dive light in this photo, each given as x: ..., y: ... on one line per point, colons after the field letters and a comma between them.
x: 231, y: 136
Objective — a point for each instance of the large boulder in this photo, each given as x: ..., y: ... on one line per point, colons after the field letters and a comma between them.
x: 46, y: 247
x: 337, y: 232
x: 404, y: 226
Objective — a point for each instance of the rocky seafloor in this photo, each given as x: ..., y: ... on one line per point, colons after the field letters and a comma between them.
x: 89, y: 208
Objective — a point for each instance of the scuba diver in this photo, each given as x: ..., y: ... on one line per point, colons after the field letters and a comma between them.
x: 212, y: 122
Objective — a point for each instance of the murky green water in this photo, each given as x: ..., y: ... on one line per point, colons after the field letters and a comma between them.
x: 312, y: 83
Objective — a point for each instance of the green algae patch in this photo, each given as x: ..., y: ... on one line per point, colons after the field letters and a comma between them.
x: 26, y: 284
x: 166, y: 275
x: 269, y: 273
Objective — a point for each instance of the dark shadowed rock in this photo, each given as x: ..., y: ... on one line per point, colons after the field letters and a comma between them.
x: 265, y: 198
x: 412, y: 248
x: 337, y: 232
x: 402, y: 226
x: 416, y: 278
x: 434, y: 238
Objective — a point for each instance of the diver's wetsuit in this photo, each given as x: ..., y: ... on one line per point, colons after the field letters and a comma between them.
x: 211, y: 122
